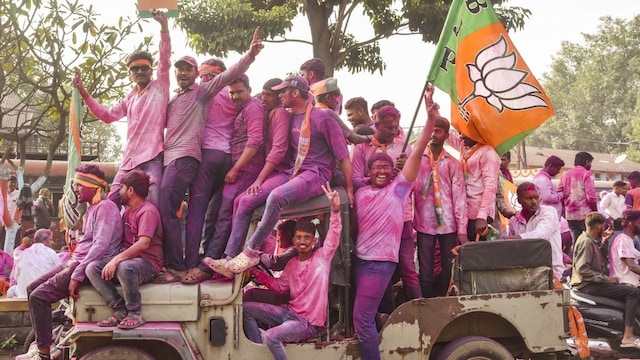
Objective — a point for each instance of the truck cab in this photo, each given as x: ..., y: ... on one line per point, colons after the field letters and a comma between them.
x: 204, y: 321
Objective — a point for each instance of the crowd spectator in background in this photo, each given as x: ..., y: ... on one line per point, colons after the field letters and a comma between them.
x: 43, y: 209
x: 548, y: 193
x: 613, y: 204
x: 632, y: 198
x: 6, y: 265
x: 578, y: 189
x: 34, y: 261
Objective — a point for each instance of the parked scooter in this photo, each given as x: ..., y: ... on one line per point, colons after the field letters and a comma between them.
x: 604, y: 321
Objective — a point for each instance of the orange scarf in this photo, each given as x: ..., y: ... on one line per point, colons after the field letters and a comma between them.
x: 465, y: 155
x: 434, y: 178
x: 304, y: 141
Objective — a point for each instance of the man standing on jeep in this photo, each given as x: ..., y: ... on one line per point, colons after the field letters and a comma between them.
x: 305, y: 279
x: 101, y: 239
x: 380, y: 231
x: 140, y: 257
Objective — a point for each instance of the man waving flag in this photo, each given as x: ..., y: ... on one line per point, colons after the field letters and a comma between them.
x: 495, y: 98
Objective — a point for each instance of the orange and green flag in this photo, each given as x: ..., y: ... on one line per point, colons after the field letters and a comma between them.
x: 495, y: 99
x: 72, y: 212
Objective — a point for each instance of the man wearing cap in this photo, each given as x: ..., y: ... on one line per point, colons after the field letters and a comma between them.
x: 145, y: 108
x: 624, y: 256
x: 247, y: 157
x: 101, y: 239
x: 274, y: 173
x: 314, y: 70
x: 579, y: 192
x: 318, y: 144
x: 548, y: 193
x: 186, y: 114
x: 632, y: 199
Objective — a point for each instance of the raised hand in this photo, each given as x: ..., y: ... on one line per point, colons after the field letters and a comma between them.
x: 333, y: 197
x: 256, y: 43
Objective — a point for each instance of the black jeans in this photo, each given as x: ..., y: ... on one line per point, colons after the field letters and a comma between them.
x: 630, y: 294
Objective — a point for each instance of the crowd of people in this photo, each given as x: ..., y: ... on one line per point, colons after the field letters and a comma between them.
x: 228, y: 152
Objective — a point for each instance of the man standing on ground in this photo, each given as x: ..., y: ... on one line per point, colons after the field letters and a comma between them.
x: 613, y: 204
x: 548, y: 193
x: 101, y: 239
x: 589, y: 269
x: 632, y: 198
x: 11, y: 229
x: 579, y: 192
x: 140, y: 257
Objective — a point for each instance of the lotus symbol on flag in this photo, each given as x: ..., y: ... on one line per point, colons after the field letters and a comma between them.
x: 496, y: 79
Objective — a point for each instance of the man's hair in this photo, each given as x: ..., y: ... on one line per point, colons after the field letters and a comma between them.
x: 378, y: 104
x: 215, y: 62
x: 138, y: 180
x: 244, y: 79
x: 619, y: 183
x: 594, y: 218
x: 316, y: 65
x: 356, y: 103
x: 442, y: 123
x: 379, y: 157
x: 582, y: 157
x: 139, y: 54
x: 271, y: 83
x: 91, y: 169
x: 630, y: 215
x: 526, y: 186
x: 305, y: 226
x: 634, y: 175
x: 13, y: 178
x: 388, y: 110
x: 554, y: 161
x: 41, y: 235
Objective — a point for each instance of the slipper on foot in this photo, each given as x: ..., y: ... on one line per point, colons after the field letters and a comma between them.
x: 131, y: 321
x: 218, y: 265
x: 112, y: 320
x: 247, y: 259
x: 634, y: 344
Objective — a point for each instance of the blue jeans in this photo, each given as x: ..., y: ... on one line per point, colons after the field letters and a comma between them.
x: 372, y: 278
x: 153, y: 168
x: 302, y: 187
x: 426, y: 252
x: 244, y: 206
x: 209, y: 179
x: 284, y: 326
x: 223, y: 225
x: 176, y: 179
x: 10, y: 233
x: 130, y: 274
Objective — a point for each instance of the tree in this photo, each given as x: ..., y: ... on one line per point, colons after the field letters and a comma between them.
x: 42, y: 44
x: 208, y: 24
x: 595, y: 88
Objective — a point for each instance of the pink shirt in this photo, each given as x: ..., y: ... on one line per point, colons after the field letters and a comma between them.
x: 379, y: 226
x: 544, y: 224
x: 622, y: 248
x: 481, y: 179
x: 579, y: 185
x: 144, y: 221
x: 248, y: 132
x: 360, y: 168
x: 276, y: 142
x: 548, y: 193
x: 145, y: 112
x: 187, y: 110
x: 219, y: 125
x: 6, y: 265
x: 454, y: 199
x: 307, y: 282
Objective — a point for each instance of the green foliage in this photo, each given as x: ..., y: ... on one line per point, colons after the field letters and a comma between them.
x: 10, y: 342
x: 595, y: 89
x: 216, y: 27
x: 43, y: 43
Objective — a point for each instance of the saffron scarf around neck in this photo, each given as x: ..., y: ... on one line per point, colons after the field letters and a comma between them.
x: 93, y: 182
x: 434, y: 178
x: 304, y: 141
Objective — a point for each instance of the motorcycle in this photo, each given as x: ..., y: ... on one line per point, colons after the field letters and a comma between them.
x: 604, y: 321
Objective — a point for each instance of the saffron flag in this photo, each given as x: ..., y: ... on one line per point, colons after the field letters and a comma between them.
x: 495, y: 99
x: 72, y: 212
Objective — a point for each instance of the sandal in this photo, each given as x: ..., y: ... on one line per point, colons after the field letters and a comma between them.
x: 169, y: 276
x: 112, y: 320
x: 218, y: 265
x: 131, y: 321
x: 247, y: 259
x: 195, y: 276
x: 634, y: 344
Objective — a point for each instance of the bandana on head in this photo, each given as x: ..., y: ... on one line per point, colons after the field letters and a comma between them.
x: 93, y: 182
x: 139, y: 62
x: 210, y: 69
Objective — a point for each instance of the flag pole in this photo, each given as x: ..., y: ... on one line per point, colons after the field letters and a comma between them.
x: 415, y: 115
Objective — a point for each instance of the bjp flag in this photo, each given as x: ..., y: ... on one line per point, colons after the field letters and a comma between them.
x: 495, y: 99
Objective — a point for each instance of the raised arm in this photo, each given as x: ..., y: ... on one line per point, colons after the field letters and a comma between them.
x: 411, y: 167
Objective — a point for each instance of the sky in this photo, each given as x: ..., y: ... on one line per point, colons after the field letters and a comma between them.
x: 408, y: 58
